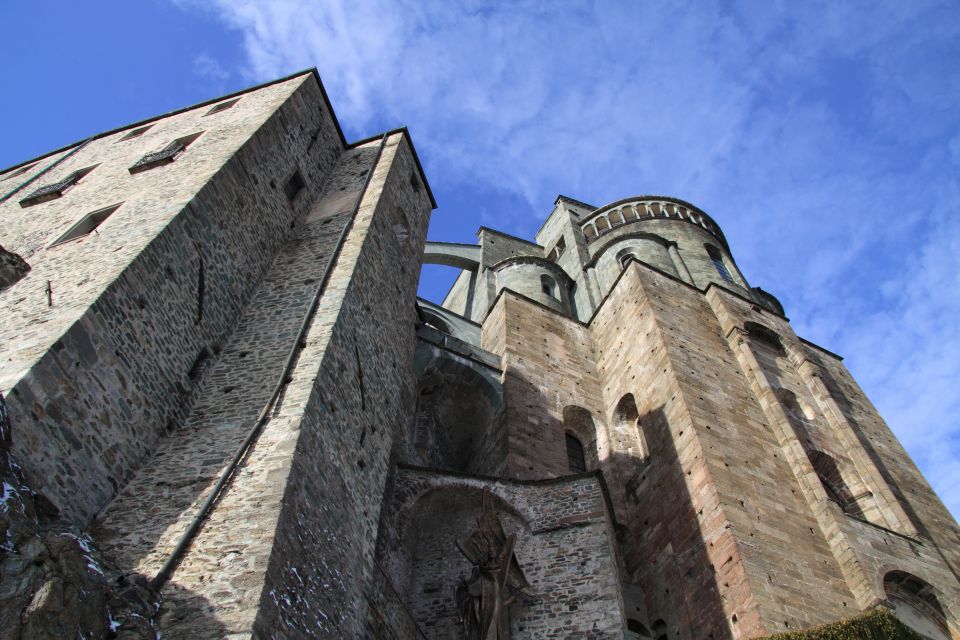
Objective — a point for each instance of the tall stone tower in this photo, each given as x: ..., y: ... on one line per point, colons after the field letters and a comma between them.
x: 754, y: 488
x: 224, y: 412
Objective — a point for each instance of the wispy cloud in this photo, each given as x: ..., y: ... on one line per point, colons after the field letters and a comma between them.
x: 208, y: 68
x: 823, y: 137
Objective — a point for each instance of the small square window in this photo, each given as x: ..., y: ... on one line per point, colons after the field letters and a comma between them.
x: 294, y: 186
x: 86, y: 224
x: 166, y: 155
x: 136, y: 133
x: 55, y: 190
x: 223, y: 106
x: 21, y: 171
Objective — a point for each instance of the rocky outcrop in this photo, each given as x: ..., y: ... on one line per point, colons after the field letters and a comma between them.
x: 52, y: 581
x: 12, y: 268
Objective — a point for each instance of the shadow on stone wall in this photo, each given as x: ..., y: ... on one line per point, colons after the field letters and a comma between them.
x: 849, y: 412
x: 664, y: 546
x: 54, y: 583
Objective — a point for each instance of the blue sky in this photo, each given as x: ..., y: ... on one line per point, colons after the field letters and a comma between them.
x: 824, y: 137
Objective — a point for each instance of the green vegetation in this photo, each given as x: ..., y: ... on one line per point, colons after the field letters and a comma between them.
x: 878, y: 624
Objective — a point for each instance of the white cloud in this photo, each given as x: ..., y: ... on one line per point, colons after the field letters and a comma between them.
x: 210, y: 69
x: 820, y: 135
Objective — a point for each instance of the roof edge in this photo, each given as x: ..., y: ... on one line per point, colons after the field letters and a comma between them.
x: 263, y: 85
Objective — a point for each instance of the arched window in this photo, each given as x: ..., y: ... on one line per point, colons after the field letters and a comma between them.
x: 576, y: 460
x: 833, y: 482
x: 629, y: 430
x: 717, y: 258
x: 794, y: 408
x: 548, y: 285
x: 625, y: 257
x: 916, y: 605
x: 767, y: 337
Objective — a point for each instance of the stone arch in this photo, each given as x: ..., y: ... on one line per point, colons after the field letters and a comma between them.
x: 457, y: 418
x: 766, y: 337
x: 916, y: 603
x: 837, y: 481
x: 836, y: 472
x: 624, y: 256
x: 794, y: 406
x: 548, y: 285
x: 435, y: 321
x: 426, y: 558
x: 628, y: 430
x: 579, y: 422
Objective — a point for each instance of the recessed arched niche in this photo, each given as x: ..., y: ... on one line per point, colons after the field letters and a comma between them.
x: 456, y: 426
x: 580, y: 432
x: 916, y: 604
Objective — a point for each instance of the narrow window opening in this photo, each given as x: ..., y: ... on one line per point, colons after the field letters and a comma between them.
x: 576, y: 460
x: 629, y: 429
x: 766, y: 337
x: 548, y: 285
x: 136, y: 133
x: 223, y: 106
x: 294, y: 185
x: 57, y: 189
x: 834, y: 483
x: 166, y: 155
x: 717, y: 258
x: 86, y: 225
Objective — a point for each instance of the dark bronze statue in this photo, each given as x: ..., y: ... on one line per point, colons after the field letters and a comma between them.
x: 495, y: 581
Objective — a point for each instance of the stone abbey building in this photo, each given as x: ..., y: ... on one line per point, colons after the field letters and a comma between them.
x: 227, y: 415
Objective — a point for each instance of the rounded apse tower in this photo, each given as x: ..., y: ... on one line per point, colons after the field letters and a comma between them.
x: 668, y: 234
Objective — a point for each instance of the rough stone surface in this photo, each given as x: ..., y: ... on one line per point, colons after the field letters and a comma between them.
x: 674, y: 461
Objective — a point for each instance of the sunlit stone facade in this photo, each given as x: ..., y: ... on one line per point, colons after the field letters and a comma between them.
x: 227, y: 414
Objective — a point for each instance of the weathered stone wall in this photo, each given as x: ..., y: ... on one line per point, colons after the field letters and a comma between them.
x: 495, y: 247
x: 458, y: 424
x: 314, y: 483
x: 880, y: 531
x: 548, y: 365
x: 142, y: 525
x: 563, y: 545
x: 723, y: 543
x: 924, y: 509
x: 98, y: 376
